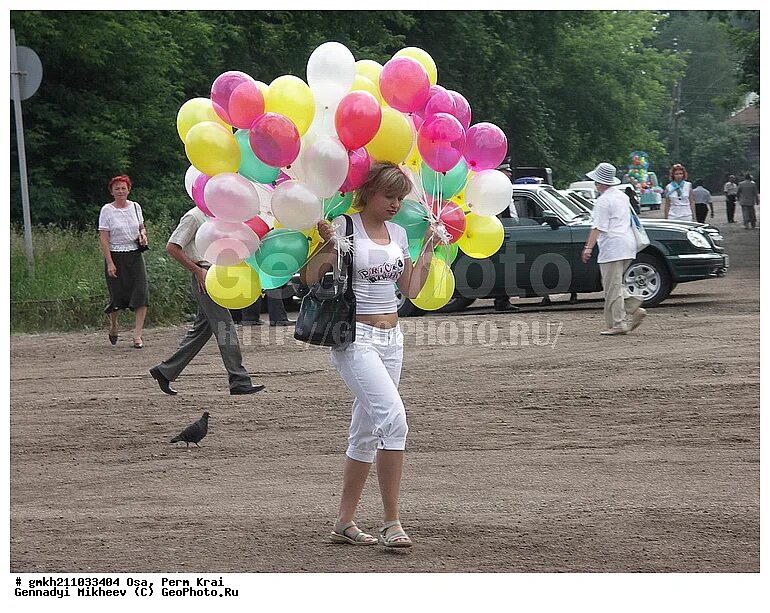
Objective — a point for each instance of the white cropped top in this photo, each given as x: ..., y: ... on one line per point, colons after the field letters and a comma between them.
x: 376, y: 268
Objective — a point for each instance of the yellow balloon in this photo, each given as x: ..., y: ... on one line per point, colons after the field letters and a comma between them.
x: 212, y: 148
x: 414, y: 159
x: 424, y: 58
x: 438, y: 288
x: 362, y: 83
x: 233, y: 287
x: 263, y: 87
x: 369, y: 69
x: 315, y: 240
x: 483, y: 236
x: 394, y: 139
x: 194, y: 112
x: 291, y: 96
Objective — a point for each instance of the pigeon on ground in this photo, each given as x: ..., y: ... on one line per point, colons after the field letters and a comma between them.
x: 194, y: 432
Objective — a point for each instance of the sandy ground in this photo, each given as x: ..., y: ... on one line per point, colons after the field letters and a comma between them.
x: 534, y: 451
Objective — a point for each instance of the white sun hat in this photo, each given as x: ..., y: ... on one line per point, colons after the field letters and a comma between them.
x: 604, y: 173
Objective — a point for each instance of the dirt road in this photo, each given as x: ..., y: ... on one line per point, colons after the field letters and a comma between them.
x: 534, y: 451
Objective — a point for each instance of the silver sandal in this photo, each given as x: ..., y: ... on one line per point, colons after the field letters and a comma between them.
x: 397, y: 538
x: 359, y: 538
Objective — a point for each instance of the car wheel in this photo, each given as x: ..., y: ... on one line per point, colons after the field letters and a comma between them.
x: 647, y: 278
x: 405, y: 306
x: 457, y: 304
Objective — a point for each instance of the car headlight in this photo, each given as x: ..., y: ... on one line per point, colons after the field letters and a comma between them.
x: 698, y: 240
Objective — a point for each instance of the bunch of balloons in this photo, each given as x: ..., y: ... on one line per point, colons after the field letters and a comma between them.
x: 268, y: 162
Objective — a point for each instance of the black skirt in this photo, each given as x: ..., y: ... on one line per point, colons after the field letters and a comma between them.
x: 129, y: 290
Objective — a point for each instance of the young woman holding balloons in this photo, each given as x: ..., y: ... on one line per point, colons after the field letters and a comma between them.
x: 371, y: 366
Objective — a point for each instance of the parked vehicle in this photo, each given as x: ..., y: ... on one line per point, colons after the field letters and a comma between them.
x: 542, y: 248
x: 587, y: 189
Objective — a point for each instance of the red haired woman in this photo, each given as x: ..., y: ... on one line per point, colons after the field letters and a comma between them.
x: 121, y: 234
x: 678, y: 203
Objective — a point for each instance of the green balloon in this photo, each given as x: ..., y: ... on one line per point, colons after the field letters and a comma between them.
x: 337, y: 204
x: 251, y: 166
x: 415, y: 248
x: 413, y: 217
x: 444, y: 185
x: 281, y: 253
x: 442, y: 251
x: 267, y: 281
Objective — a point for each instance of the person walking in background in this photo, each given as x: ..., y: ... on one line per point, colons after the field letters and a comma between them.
x: 731, y: 194
x: 371, y: 365
x: 631, y: 193
x: 611, y: 230
x: 678, y: 202
x: 123, y: 237
x: 748, y: 198
x: 702, y: 198
x: 211, y: 318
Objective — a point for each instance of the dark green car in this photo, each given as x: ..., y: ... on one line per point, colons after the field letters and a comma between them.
x: 541, y: 255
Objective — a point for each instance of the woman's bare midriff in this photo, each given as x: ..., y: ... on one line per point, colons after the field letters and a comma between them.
x: 379, y: 320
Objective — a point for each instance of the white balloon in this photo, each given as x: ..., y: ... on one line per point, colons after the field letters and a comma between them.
x: 189, y: 178
x: 488, y: 192
x: 323, y: 120
x: 231, y: 197
x: 295, y: 206
x: 325, y: 165
x: 331, y: 70
x: 225, y: 243
x: 265, y: 194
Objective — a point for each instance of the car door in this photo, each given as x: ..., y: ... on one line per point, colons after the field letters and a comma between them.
x: 535, y: 258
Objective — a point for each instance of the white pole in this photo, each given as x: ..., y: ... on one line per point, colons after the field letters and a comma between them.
x: 15, y: 93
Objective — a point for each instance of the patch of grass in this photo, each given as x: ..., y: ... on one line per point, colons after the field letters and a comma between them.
x: 69, y: 292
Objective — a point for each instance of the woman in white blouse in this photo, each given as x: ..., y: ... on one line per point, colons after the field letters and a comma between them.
x: 121, y: 234
x: 679, y: 203
x: 371, y: 366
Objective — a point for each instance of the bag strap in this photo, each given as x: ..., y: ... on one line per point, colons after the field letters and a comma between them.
x: 349, y: 255
x: 136, y: 212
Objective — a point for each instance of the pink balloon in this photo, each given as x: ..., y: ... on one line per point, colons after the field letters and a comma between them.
x: 258, y: 225
x: 404, y: 84
x: 439, y: 101
x: 357, y: 119
x: 360, y: 162
x: 221, y: 89
x: 247, y: 104
x: 231, y: 197
x: 453, y: 218
x: 275, y: 140
x: 462, y: 108
x: 197, y: 193
x: 417, y: 121
x: 441, y: 141
x: 485, y: 146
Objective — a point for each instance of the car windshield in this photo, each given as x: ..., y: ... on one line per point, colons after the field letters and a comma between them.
x: 563, y: 206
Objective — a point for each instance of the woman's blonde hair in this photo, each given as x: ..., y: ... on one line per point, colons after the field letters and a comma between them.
x: 386, y: 178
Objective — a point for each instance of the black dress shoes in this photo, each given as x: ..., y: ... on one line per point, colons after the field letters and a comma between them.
x: 283, y: 322
x: 163, y: 383
x: 241, y: 391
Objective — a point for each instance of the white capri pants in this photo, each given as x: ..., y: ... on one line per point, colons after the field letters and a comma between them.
x: 371, y: 368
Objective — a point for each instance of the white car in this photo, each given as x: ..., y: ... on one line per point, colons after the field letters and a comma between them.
x: 587, y: 189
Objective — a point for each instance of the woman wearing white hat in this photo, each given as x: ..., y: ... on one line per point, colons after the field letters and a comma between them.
x: 611, y: 230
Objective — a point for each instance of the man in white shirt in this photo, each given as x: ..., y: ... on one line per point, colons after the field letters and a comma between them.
x: 611, y: 230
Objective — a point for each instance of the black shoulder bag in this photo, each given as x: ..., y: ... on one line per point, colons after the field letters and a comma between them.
x: 327, y: 315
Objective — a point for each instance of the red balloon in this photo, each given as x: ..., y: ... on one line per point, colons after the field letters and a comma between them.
x: 485, y: 146
x: 441, y: 141
x: 197, y: 193
x: 357, y: 119
x: 258, y: 225
x: 247, y: 104
x: 453, y: 218
x: 360, y: 162
x: 439, y: 101
x: 404, y: 84
x: 462, y: 108
x: 274, y: 139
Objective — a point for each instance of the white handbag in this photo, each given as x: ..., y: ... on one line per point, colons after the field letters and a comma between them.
x: 640, y: 234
